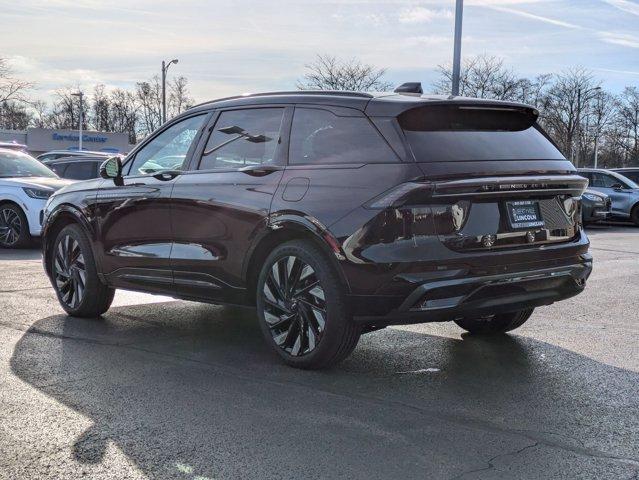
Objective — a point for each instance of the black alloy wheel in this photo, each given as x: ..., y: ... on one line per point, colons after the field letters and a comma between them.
x: 302, y: 309
x: 14, y: 229
x: 69, y: 271
x: 294, y: 306
x: 74, y: 274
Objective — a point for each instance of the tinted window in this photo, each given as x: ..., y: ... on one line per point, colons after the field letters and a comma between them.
x: 634, y: 176
x: 243, y: 137
x: 445, y: 134
x: 81, y: 170
x: 167, y: 151
x: 58, y: 168
x: 321, y: 137
x: 602, y: 180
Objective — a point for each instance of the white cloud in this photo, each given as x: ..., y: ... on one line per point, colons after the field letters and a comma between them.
x: 622, y: 39
x: 427, y: 40
x: 540, y: 18
x: 625, y: 5
x: 422, y: 15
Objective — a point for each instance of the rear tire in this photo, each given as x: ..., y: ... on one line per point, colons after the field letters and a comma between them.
x: 634, y: 215
x: 74, y: 275
x: 495, y: 324
x: 14, y: 227
x: 302, y: 309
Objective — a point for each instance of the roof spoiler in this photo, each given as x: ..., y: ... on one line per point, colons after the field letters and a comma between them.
x: 410, y: 87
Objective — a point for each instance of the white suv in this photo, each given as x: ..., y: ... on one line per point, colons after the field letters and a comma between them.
x: 25, y: 186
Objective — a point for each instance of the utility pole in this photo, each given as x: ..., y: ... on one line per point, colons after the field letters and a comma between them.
x: 80, y: 95
x: 165, y: 67
x: 459, y: 10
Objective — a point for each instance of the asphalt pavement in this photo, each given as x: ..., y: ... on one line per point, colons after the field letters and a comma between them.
x: 160, y: 388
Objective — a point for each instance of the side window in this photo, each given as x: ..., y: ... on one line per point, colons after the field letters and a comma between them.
x: 602, y: 180
x: 58, y: 168
x: 321, y: 137
x: 80, y: 170
x: 243, y: 137
x: 167, y: 151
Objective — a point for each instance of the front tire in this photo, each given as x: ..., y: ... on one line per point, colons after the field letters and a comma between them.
x: 14, y: 227
x: 75, y: 277
x: 301, y: 307
x: 495, y: 324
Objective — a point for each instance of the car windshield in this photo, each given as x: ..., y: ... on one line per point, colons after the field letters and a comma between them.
x: 17, y: 164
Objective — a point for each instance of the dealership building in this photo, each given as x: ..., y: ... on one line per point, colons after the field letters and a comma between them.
x: 40, y: 140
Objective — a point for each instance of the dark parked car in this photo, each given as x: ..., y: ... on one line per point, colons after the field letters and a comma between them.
x: 76, y: 168
x: 629, y: 172
x: 334, y: 214
x: 623, y: 192
x: 55, y: 154
x: 595, y: 206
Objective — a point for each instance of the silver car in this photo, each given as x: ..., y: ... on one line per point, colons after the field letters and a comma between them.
x: 623, y: 192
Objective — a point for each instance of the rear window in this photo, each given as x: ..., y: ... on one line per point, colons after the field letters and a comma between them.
x: 442, y: 133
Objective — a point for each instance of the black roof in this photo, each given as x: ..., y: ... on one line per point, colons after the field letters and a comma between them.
x: 374, y: 104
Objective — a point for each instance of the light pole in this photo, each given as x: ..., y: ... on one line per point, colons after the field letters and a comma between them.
x: 80, y: 95
x: 165, y: 67
x: 599, y: 107
x: 459, y: 10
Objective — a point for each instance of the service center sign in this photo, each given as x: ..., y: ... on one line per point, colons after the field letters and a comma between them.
x: 45, y: 139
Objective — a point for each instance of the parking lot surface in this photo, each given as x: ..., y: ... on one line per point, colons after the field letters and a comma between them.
x: 170, y: 389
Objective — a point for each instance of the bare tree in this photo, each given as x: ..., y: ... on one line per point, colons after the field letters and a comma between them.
x: 328, y: 72
x: 179, y: 99
x: 483, y: 77
x: 569, y: 102
x: 11, y: 88
x: 628, y: 123
x: 149, y: 98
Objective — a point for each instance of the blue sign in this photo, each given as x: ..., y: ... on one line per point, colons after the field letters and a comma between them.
x: 70, y: 137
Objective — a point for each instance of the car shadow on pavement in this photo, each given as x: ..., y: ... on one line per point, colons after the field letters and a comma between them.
x: 192, y: 391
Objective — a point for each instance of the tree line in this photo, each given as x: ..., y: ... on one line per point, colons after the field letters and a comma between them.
x: 136, y: 112
x: 578, y: 113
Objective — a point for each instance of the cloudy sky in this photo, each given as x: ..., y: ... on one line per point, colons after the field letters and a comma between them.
x: 227, y: 47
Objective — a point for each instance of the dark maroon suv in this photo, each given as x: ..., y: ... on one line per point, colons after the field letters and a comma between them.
x: 333, y: 213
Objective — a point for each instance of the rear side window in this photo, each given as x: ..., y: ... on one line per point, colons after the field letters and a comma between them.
x: 81, y: 170
x: 321, y: 137
x: 442, y: 133
x: 59, y: 168
x: 634, y: 176
x: 243, y: 138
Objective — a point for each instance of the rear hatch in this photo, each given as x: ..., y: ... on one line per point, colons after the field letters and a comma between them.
x: 497, y: 180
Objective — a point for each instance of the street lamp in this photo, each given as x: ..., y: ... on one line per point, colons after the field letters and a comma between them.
x: 79, y: 94
x: 165, y: 67
x: 459, y: 9
x: 578, y: 121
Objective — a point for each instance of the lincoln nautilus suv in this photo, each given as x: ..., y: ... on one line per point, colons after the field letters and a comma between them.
x: 333, y: 214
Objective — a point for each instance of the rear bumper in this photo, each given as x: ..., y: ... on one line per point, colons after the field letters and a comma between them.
x: 436, y: 300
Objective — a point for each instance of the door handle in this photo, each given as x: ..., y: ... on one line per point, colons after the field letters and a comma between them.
x: 167, y: 175
x: 260, y: 170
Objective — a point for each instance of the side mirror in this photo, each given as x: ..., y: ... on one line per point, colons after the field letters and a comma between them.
x: 617, y: 186
x: 111, y: 168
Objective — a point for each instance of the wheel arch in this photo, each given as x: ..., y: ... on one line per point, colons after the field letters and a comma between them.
x: 285, y: 228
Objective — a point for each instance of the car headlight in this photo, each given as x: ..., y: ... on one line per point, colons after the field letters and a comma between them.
x: 594, y: 198
x: 38, y: 193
